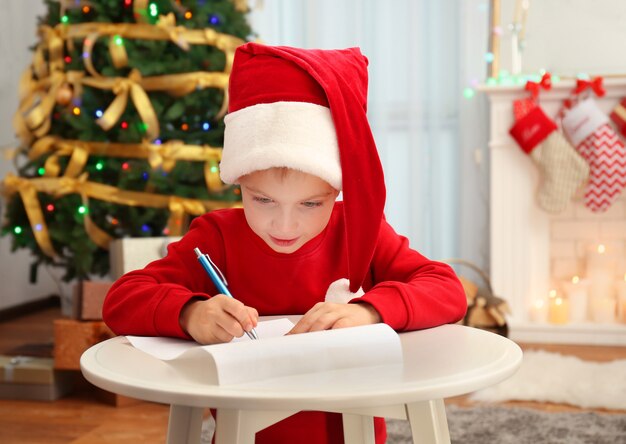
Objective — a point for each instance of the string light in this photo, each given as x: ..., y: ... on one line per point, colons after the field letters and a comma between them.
x: 76, y: 111
x: 188, y: 15
x: 86, y: 9
x: 214, y: 20
x: 99, y: 113
x: 127, y: 3
x: 154, y: 9
x: 489, y: 57
x: 125, y: 166
x: 82, y: 210
x: 50, y: 208
x: 17, y: 230
x: 65, y: 19
x: 214, y: 169
x: 114, y: 221
x: 38, y: 227
x: 99, y: 166
x: 119, y: 41
x: 41, y: 171
x: 145, y: 176
x: 468, y: 93
x: 166, y: 231
x: 184, y: 127
x: 206, y: 126
x: 67, y: 59
x: 145, y: 228
x: 157, y: 141
x: 124, y: 124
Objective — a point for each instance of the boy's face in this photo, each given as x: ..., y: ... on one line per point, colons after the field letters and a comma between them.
x: 286, y: 208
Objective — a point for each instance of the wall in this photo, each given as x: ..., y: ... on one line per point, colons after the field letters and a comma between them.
x: 18, y: 24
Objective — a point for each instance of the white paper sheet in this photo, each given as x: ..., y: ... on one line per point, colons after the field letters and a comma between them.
x: 275, y: 355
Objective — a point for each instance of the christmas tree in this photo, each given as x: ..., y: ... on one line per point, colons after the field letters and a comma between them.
x: 120, y: 122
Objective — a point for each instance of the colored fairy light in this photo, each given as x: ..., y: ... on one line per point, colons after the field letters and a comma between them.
x: 143, y: 127
x: 82, y: 209
x: 85, y: 55
x: 125, y: 166
x: 124, y: 124
x: 188, y: 15
x: 127, y: 3
x: 145, y: 228
x: 145, y: 176
x: 50, y: 207
x: 154, y: 9
x: 99, y: 113
x: 214, y: 20
x: 76, y: 111
x: 118, y: 40
x: 166, y: 231
x: 489, y: 57
x: 114, y: 221
x: 65, y: 19
x: 157, y: 141
x: 206, y: 126
x: 38, y: 227
x: 67, y: 59
x: 100, y: 166
x: 17, y: 230
x: 41, y: 171
x: 184, y: 127
x: 86, y: 9
x: 468, y: 93
x: 214, y: 169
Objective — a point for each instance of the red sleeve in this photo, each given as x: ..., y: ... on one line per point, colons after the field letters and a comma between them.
x: 412, y: 292
x: 148, y: 301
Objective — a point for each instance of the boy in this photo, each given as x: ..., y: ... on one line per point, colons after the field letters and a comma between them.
x: 296, y: 135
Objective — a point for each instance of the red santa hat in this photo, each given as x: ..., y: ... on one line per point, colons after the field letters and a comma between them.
x: 306, y: 110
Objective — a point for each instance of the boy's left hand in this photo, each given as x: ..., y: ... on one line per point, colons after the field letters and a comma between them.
x: 329, y: 315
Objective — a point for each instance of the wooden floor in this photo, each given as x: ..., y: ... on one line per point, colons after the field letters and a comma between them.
x: 84, y: 418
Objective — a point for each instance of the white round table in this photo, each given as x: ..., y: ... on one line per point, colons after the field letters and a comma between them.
x: 441, y: 362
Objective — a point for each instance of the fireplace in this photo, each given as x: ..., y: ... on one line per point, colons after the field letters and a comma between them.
x: 552, y: 259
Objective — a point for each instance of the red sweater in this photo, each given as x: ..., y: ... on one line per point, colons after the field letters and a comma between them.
x: 409, y: 291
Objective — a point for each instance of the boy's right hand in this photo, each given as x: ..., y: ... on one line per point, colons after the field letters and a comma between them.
x: 217, y: 320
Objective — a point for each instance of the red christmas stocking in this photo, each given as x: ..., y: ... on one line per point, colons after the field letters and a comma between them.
x: 587, y: 127
x: 562, y: 169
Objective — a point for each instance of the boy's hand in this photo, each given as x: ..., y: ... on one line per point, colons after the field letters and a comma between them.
x: 328, y: 315
x: 217, y: 320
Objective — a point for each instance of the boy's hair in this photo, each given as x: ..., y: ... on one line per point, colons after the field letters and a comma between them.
x: 306, y: 110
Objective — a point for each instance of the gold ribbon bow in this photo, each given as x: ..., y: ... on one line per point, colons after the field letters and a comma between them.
x: 176, y: 33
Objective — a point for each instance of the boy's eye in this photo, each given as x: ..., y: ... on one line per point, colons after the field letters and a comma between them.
x: 312, y: 204
x: 263, y: 200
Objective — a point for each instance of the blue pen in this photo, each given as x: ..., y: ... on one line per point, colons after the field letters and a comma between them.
x: 210, y: 268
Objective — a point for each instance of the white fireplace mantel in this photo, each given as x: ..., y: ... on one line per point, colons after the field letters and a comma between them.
x: 520, y: 230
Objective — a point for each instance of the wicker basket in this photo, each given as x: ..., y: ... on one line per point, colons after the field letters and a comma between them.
x: 484, y: 309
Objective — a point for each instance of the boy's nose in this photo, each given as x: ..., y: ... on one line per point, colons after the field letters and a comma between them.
x: 286, y: 222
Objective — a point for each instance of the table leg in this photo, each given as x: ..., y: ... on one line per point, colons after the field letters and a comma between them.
x: 358, y: 429
x: 185, y: 425
x: 428, y: 422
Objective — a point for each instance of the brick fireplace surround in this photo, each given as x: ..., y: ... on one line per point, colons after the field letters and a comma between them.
x: 531, y: 250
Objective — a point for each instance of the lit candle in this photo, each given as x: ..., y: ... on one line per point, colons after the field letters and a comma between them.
x: 577, y: 295
x: 621, y: 299
x: 558, y: 309
x: 539, y: 311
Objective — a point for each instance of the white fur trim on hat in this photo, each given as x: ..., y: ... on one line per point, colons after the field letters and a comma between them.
x: 339, y: 292
x: 296, y: 135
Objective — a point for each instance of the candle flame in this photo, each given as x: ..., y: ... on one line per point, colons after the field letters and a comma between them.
x: 575, y: 280
x: 601, y: 248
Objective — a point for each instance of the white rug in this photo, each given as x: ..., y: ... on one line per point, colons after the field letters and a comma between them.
x: 556, y: 378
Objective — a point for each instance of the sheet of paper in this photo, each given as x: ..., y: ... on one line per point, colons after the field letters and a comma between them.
x: 275, y: 355
x: 171, y: 348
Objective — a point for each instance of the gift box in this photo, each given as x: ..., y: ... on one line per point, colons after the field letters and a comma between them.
x: 73, y: 337
x: 88, y: 299
x: 132, y: 253
x: 31, y: 378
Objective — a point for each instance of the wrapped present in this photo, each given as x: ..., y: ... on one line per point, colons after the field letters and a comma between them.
x: 72, y: 338
x: 88, y: 299
x: 31, y: 378
x: 129, y: 253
